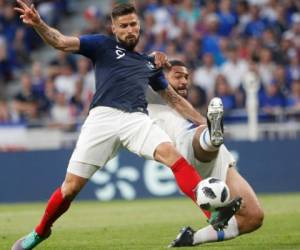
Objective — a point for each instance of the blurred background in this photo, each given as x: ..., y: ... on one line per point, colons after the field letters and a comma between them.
x: 247, y: 52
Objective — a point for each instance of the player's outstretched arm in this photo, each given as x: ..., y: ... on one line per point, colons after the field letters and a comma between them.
x: 51, y: 36
x: 182, y: 106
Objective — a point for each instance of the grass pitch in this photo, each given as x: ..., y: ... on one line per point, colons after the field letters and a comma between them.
x: 148, y: 224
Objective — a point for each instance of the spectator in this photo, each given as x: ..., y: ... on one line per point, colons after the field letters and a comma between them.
x: 234, y: 69
x: 61, y: 113
x: 224, y: 91
x: 78, y: 104
x: 293, y: 69
x: 293, y: 100
x: 85, y: 73
x: 94, y: 19
x: 197, y: 97
x: 273, y: 100
x: 265, y: 33
x: 47, y: 98
x: 19, y: 50
x: 47, y: 11
x: 286, y: 49
x: 280, y: 25
x: 26, y: 101
x: 5, y: 66
x: 189, y: 13
x: 256, y: 26
x: 4, y: 112
x: 281, y: 79
x: 227, y: 19
x: 266, y: 66
x: 243, y: 15
x: 66, y: 81
x: 61, y: 58
x: 38, y: 78
x: 191, y: 56
x: 205, y: 76
x: 211, y: 40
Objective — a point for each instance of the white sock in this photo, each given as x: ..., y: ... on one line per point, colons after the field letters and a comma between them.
x: 208, y: 234
x: 205, y: 142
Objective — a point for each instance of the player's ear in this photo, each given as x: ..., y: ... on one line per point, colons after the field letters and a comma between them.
x: 113, y: 25
x: 113, y: 28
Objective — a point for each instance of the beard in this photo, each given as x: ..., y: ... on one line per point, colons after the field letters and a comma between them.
x: 182, y: 92
x: 129, y: 42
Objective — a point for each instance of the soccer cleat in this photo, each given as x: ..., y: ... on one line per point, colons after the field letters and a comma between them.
x: 215, y: 121
x: 219, y: 218
x: 29, y: 242
x: 184, y: 238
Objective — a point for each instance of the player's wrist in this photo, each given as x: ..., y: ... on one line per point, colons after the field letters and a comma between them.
x: 38, y: 24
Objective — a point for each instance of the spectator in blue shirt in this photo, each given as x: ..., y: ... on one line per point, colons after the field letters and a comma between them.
x: 256, y: 26
x: 223, y: 90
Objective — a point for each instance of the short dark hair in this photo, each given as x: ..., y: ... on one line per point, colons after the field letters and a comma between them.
x: 175, y: 63
x: 123, y: 9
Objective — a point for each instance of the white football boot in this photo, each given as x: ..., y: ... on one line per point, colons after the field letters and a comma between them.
x: 215, y: 114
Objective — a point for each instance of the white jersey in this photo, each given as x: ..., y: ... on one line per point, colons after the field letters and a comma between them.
x: 182, y: 133
x: 169, y: 120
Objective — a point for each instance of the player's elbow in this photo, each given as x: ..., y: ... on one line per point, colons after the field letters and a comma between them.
x: 61, y: 45
x: 65, y: 45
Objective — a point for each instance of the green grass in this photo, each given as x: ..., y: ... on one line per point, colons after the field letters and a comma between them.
x: 147, y: 224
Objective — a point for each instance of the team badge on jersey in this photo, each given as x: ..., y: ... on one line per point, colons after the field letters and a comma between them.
x: 120, y: 52
x: 150, y: 65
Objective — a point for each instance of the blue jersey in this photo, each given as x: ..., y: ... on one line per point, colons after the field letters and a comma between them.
x: 122, y: 76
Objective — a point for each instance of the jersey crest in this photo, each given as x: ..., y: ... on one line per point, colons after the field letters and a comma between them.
x: 150, y: 65
x: 120, y: 52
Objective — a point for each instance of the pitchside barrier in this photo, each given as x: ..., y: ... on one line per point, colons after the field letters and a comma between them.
x: 269, y: 166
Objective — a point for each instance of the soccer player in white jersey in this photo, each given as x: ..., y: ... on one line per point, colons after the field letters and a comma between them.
x: 203, y: 147
x: 118, y: 112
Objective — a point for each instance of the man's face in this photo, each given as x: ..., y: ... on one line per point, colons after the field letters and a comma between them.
x: 178, y: 77
x: 127, y: 30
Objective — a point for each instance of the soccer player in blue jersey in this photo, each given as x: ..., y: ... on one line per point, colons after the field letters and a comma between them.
x: 118, y: 113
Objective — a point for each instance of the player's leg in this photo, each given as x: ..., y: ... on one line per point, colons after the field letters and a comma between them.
x: 250, y: 216
x: 186, y: 176
x: 141, y: 136
x: 214, y: 232
x: 247, y: 219
x: 208, y: 139
x: 95, y: 146
x: 215, y: 114
x: 57, y: 205
x: 204, y: 151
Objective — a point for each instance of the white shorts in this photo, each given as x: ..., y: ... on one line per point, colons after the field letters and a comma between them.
x: 107, y: 129
x: 215, y: 168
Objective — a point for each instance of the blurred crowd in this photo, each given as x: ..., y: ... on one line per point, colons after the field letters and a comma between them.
x: 220, y: 41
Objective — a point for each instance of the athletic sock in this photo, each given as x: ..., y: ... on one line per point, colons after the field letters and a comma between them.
x: 56, y: 206
x: 205, y: 142
x: 208, y: 234
x: 186, y: 176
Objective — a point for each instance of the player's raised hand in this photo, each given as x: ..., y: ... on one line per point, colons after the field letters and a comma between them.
x: 28, y: 13
x: 160, y: 59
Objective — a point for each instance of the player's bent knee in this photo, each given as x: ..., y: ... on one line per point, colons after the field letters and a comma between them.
x: 257, y: 218
x: 166, y: 153
x: 72, y: 186
x: 252, y: 221
x: 70, y: 191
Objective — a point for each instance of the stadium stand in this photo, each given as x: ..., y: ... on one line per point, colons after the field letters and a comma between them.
x: 220, y: 40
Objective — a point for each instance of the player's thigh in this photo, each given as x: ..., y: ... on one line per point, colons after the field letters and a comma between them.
x: 250, y: 215
x: 97, y: 143
x: 140, y: 135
